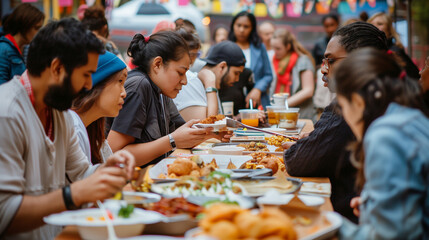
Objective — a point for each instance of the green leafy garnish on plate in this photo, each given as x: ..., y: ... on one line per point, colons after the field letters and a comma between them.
x: 126, y: 211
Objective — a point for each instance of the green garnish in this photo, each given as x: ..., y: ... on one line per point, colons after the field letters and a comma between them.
x: 126, y: 211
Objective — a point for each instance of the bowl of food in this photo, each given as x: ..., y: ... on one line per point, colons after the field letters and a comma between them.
x: 91, y: 224
x: 227, y: 150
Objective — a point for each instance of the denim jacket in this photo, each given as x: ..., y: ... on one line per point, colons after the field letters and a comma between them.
x: 395, y: 198
x: 261, y: 67
x: 11, y: 61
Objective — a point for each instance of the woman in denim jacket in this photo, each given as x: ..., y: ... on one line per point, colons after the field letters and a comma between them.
x: 20, y: 27
x: 385, y: 114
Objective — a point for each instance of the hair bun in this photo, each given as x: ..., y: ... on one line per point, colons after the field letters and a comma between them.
x: 136, y: 45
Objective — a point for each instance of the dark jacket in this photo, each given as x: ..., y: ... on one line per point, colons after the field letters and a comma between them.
x: 11, y: 61
x: 323, y: 154
x: 410, y: 68
x: 319, y: 50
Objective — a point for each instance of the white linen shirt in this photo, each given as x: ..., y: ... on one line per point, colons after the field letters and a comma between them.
x: 30, y: 163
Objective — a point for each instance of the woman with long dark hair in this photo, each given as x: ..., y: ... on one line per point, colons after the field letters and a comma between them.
x: 19, y: 28
x: 244, y: 32
x: 105, y: 99
x: 389, y: 121
x: 149, y: 125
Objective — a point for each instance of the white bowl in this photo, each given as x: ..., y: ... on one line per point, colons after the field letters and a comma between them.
x: 97, y: 229
x: 276, y: 130
x: 228, y: 150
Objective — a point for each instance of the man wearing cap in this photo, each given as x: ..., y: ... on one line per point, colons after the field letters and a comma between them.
x: 42, y: 168
x: 199, y: 98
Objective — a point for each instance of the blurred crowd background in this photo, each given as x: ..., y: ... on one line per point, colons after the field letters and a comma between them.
x: 301, y: 17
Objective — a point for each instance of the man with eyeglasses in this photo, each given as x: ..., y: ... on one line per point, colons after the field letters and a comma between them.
x: 323, y: 152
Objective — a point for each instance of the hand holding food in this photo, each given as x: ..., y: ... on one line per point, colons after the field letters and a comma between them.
x: 122, y: 159
x: 188, y: 137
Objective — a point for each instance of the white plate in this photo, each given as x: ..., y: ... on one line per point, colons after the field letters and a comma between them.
x: 221, y: 160
x: 140, y: 197
x: 219, y: 125
x: 334, y: 218
x: 152, y: 237
x: 316, y: 188
x: 78, y: 218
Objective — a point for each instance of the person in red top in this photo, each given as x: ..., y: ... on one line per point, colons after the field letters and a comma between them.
x: 19, y: 28
x: 294, y: 67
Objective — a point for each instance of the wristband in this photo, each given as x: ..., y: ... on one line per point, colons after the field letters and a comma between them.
x: 211, y: 89
x: 172, y: 142
x: 67, y: 197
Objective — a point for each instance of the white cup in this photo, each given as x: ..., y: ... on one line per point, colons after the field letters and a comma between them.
x: 228, y: 108
x: 279, y: 99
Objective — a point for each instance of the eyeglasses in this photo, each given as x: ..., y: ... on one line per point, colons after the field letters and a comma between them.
x: 327, y: 62
x: 195, y: 54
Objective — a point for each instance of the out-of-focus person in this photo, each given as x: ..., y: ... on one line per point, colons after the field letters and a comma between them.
x: 164, y: 25
x: 186, y: 24
x: 220, y: 34
x: 243, y: 32
x: 149, y: 124
x: 81, y: 11
x: 94, y: 18
x: 105, y: 99
x: 330, y: 23
x: 381, y: 108
x: 266, y: 30
x: 19, y: 28
x: 424, y: 81
x: 199, y: 98
x: 42, y: 168
x: 294, y: 67
x: 324, y: 153
x: 384, y: 22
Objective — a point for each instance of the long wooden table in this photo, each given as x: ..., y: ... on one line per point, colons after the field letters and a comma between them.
x: 71, y: 233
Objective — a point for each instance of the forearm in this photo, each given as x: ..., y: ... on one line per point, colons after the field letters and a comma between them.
x: 212, y: 106
x: 146, y: 152
x: 32, y: 210
x: 300, y: 97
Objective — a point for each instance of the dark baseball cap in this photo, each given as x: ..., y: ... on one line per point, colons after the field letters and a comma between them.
x: 226, y: 51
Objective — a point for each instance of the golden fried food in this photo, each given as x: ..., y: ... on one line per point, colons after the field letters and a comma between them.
x: 231, y: 165
x: 245, y: 221
x: 214, y: 163
x: 224, y: 230
x: 180, y: 167
x: 206, y: 170
x: 277, y: 140
x: 212, y: 119
x: 226, y: 221
x: 270, y: 163
x: 254, y: 147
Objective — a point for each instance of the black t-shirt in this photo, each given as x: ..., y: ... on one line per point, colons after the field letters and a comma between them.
x: 147, y: 115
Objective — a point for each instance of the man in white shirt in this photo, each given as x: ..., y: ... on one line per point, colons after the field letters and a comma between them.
x: 39, y: 150
x: 224, y: 63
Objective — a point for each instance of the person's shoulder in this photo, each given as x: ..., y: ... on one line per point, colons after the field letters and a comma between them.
x: 136, y: 80
x: 13, y: 95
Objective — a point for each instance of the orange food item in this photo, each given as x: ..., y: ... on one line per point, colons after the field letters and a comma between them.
x: 251, y: 122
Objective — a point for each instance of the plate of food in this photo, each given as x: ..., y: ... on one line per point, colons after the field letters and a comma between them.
x: 196, y: 166
x: 215, y: 184
x: 217, y: 122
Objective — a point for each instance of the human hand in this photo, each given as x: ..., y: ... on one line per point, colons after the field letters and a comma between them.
x: 255, y: 95
x: 304, y: 135
x: 355, y: 203
x: 208, y: 78
x: 287, y: 145
x: 188, y: 137
x: 102, y: 184
x: 261, y: 116
x: 122, y: 159
x: 225, y: 136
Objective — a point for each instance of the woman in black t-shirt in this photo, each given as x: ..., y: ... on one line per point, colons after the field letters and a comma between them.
x: 149, y: 125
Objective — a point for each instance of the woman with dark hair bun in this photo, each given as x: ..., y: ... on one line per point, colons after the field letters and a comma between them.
x: 386, y: 115
x: 149, y: 125
x: 19, y: 28
x: 244, y: 32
